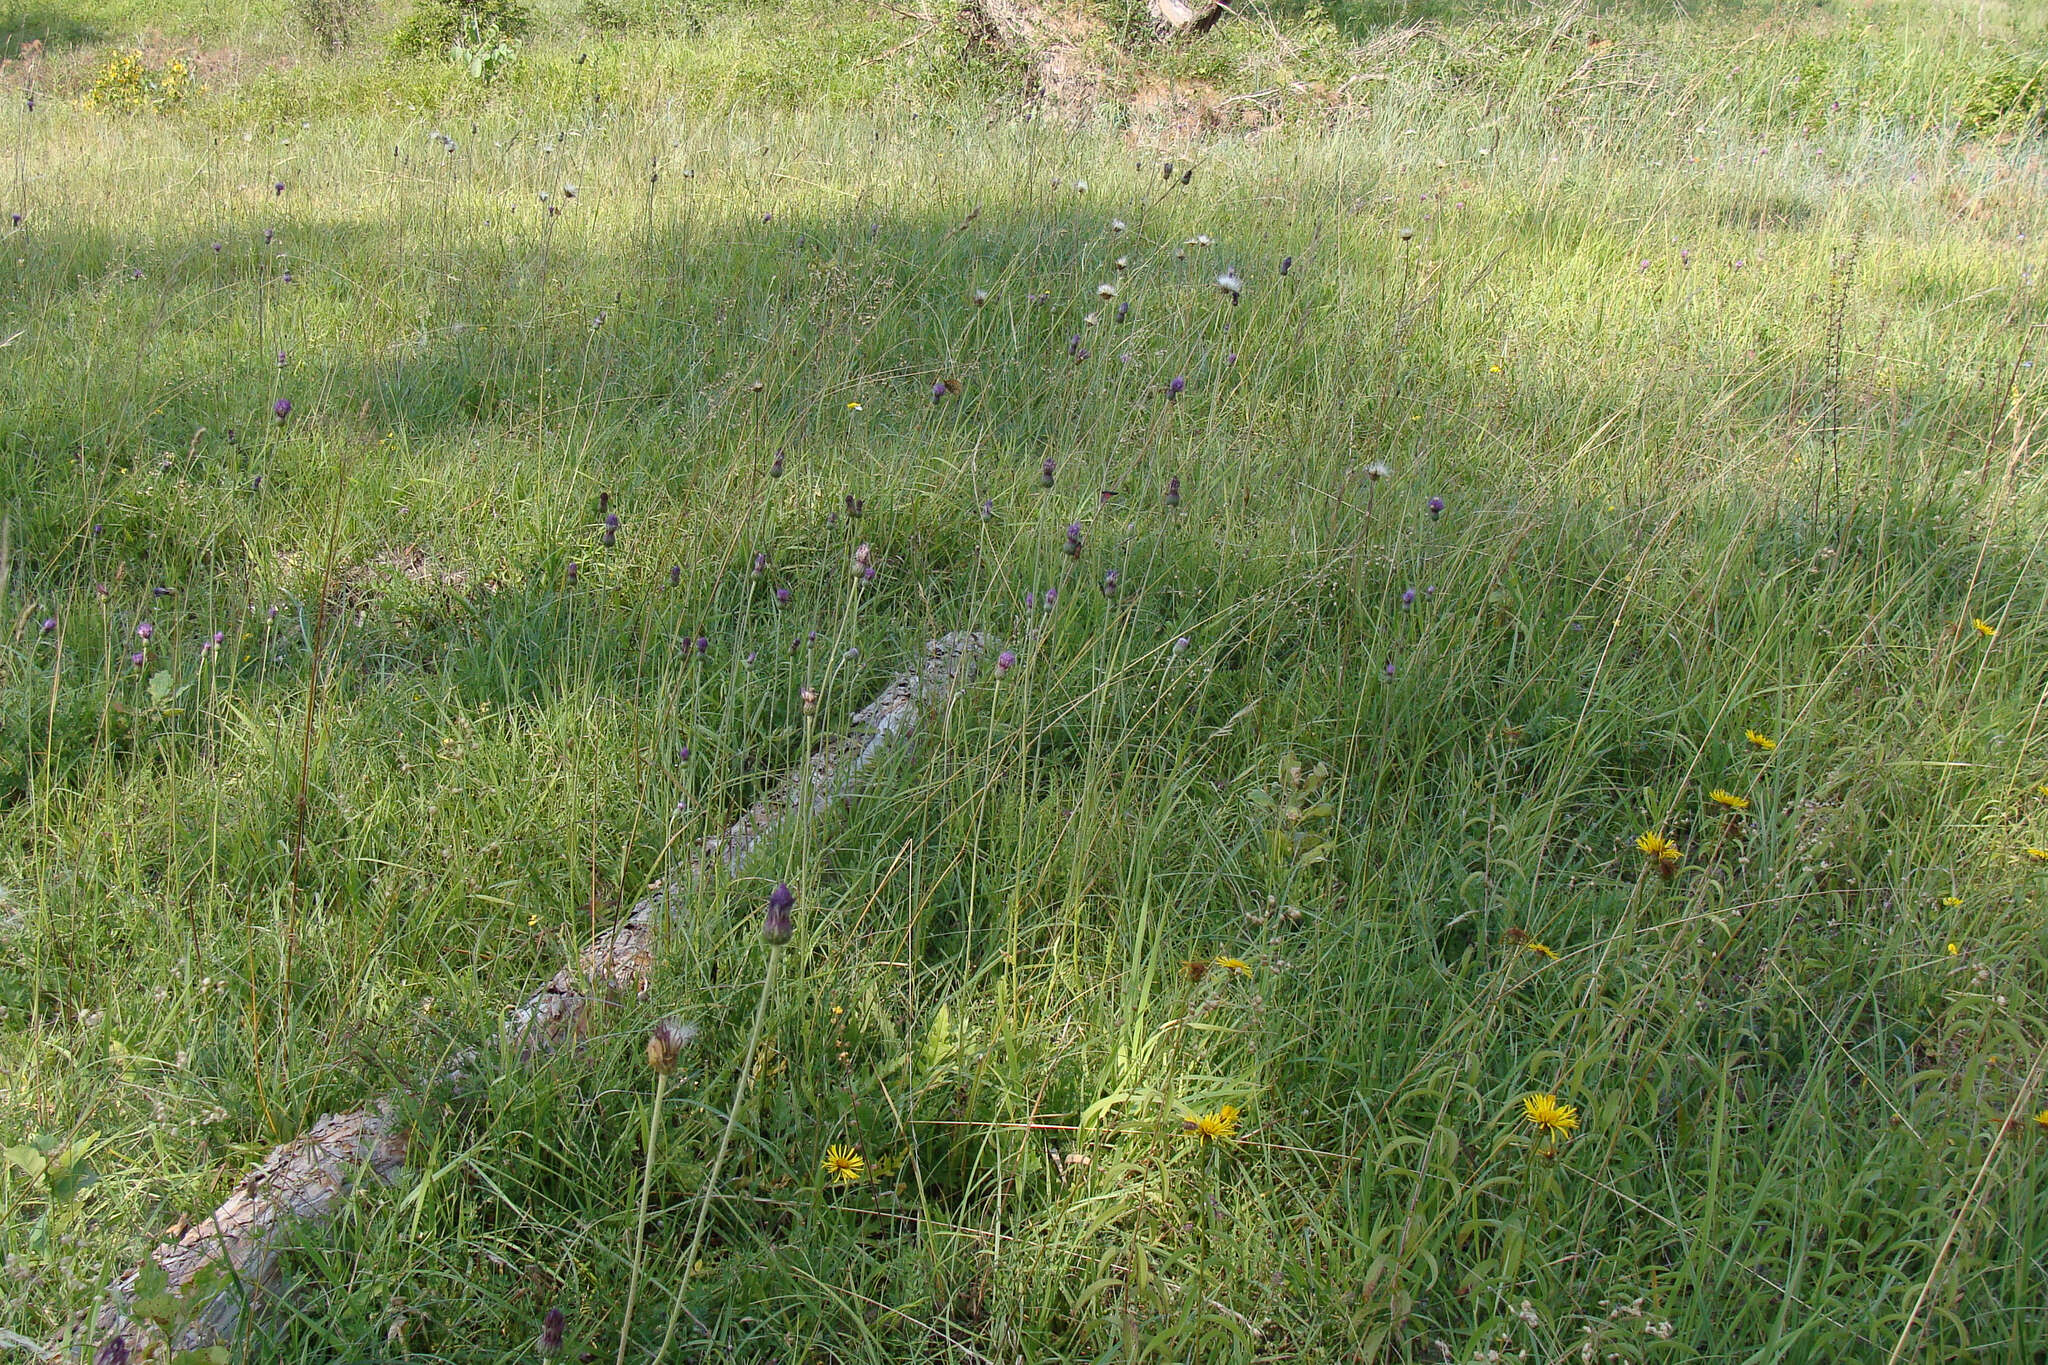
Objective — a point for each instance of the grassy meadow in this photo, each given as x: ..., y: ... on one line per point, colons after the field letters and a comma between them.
x: 1624, y: 426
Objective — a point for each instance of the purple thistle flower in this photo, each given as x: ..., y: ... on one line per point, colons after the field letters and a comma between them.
x: 1408, y: 597
x: 1286, y: 264
x: 1006, y: 661
x: 137, y: 657
x: 269, y: 235
x: 675, y: 574
x: 1109, y: 583
x: 216, y: 248
x: 49, y: 624
x: 1389, y: 670
x: 1074, y: 344
x: 775, y: 924
x: 775, y: 470
x: 855, y: 506
x: 604, y: 501
x: 1052, y: 595
x: 1180, y: 646
x: 278, y: 187
x: 1436, y: 508
x: 282, y: 408
x: 145, y: 631
x: 1080, y: 355
x: 570, y: 573
x: 1230, y: 359
x: 703, y: 645
x: 683, y: 754
x: 282, y: 360
x: 1074, y: 540
x: 988, y: 509
x: 1178, y: 387
x: 1046, y: 472
x: 760, y: 562
x: 161, y: 591
x: 782, y: 596
x: 256, y: 484
x: 938, y: 390
x: 1123, y: 309
x: 273, y: 613
x: 552, y: 1328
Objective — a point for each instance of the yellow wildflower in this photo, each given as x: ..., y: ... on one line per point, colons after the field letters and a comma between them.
x: 2039, y: 855
x: 1952, y: 901
x: 854, y: 407
x: 1984, y: 628
x: 843, y: 1164
x: 1220, y: 1126
x: 1541, y: 949
x: 1728, y: 799
x: 1952, y: 950
x: 2041, y: 1121
x: 1662, y: 853
x: 1232, y: 964
x: 1764, y: 742
x: 1550, y: 1117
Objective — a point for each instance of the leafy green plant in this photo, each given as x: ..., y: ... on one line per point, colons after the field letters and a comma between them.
x: 2010, y: 97
x: 127, y: 83
x: 434, y: 26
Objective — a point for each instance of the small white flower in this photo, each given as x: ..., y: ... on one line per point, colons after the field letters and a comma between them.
x: 1105, y: 291
x: 1116, y: 225
x: 1230, y: 284
x: 1377, y: 470
x: 1080, y: 187
x: 1123, y: 263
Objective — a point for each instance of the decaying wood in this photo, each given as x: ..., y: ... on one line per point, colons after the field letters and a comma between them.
x: 305, y: 1180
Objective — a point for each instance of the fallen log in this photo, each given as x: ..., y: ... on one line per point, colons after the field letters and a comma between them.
x: 230, y: 1261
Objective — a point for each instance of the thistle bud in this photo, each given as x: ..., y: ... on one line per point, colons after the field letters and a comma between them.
x: 775, y: 470
x: 809, y: 697
x: 775, y: 924
x: 665, y: 1043
x: 1173, y: 491
x: 551, y: 1331
x: 1047, y: 471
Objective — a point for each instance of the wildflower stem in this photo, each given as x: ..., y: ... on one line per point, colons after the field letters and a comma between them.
x: 732, y: 1115
x: 640, y: 1223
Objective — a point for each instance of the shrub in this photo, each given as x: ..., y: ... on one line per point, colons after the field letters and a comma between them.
x: 434, y: 26
x: 2013, y: 94
x: 130, y: 84
x: 330, y: 23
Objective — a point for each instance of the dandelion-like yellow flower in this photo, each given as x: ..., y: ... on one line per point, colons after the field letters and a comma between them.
x: 1232, y: 964
x: 1659, y: 850
x: 1728, y: 799
x: 1953, y: 950
x: 1764, y: 742
x: 1541, y: 949
x: 2039, y: 855
x: 1554, y: 1119
x: 1220, y: 1126
x: 1952, y: 901
x: 843, y: 1164
x: 854, y: 407
x: 1984, y: 628
x: 2041, y: 1122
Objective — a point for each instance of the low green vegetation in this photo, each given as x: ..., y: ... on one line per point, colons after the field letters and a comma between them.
x: 1518, y: 541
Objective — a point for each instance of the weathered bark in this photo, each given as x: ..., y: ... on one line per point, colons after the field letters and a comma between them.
x: 305, y: 1180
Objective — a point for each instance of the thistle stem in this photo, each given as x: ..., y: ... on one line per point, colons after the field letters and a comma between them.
x: 739, y: 1090
x: 640, y: 1224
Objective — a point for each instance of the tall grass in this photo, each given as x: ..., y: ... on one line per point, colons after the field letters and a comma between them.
x: 1702, y: 473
